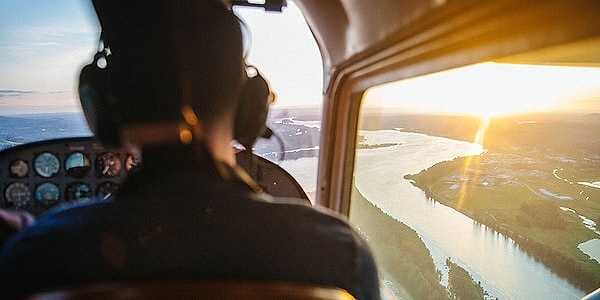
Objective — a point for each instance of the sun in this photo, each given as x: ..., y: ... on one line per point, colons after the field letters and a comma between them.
x: 492, y: 89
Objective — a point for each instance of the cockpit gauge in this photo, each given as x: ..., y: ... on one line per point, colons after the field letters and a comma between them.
x: 46, y: 164
x: 47, y: 192
x: 17, y: 194
x: 106, y: 188
x: 77, y: 165
x: 108, y: 164
x: 37, y: 176
x: 132, y: 163
x: 19, y: 168
x: 78, y: 191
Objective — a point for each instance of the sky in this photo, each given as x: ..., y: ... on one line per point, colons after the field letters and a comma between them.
x: 284, y: 50
x: 489, y: 89
x: 44, y: 44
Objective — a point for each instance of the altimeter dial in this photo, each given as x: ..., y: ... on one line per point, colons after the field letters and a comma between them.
x: 46, y: 164
x: 108, y: 164
x: 17, y: 194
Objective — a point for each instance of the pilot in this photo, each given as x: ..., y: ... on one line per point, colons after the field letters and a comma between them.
x: 171, y: 78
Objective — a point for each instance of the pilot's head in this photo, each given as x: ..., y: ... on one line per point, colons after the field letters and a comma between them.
x: 163, y: 56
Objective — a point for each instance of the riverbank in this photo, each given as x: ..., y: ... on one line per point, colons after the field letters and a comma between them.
x: 414, y: 268
x: 535, y: 224
x: 403, y: 257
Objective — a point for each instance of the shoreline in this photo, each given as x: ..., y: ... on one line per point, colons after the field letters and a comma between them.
x: 554, y: 260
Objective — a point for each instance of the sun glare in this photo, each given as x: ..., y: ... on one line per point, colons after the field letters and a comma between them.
x: 491, y: 89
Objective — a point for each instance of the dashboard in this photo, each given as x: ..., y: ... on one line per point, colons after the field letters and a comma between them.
x: 38, y: 176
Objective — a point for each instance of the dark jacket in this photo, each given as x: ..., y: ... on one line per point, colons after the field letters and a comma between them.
x: 180, y: 220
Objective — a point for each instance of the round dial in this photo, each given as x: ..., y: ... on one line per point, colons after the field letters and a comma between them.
x: 19, y: 168
x: 46, y: 164
x: 47, y: 192
x: 132, y: 163
x: 77, y: 164
x: 108, y: 164
x: 106, y: 188
x: 17, y: 194
x: 78, y: 191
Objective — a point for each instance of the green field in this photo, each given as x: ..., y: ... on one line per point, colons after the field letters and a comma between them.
x: 405, y: 260
x: 527, y: 183
x: 514, y: 205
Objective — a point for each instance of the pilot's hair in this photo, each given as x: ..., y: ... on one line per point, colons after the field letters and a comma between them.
x: 168, y: 53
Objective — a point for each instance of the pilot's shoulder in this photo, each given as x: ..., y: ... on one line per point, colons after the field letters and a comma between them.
x: 281, y: 200
x: 299, y: 205
x: 73, y: 211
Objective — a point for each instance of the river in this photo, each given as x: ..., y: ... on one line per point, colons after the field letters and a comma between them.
x: 503, y: 269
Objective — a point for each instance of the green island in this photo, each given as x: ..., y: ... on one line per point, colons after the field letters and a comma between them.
x: 414, y: 268
x: 461, y: 285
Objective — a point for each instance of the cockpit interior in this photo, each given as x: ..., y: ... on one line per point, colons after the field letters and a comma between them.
x: 502, y: 96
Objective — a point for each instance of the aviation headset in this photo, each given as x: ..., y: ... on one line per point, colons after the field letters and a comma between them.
x: 100, y: 101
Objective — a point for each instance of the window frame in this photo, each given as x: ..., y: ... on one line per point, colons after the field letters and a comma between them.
x: 454, y: 35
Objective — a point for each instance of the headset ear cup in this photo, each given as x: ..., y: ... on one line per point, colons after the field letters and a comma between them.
x: 253, y: 109
x: 94, y: 91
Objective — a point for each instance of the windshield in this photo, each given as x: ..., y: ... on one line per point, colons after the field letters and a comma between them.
x: 45, y: 44
x: 482, y: 182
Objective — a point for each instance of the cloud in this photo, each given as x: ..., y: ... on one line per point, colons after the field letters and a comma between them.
x: 14, y: 93
x: 26, y: 102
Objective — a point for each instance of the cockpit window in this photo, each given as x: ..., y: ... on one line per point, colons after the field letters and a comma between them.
x: 45, y: 44
x: 483, y: 181
x: 285, y: 52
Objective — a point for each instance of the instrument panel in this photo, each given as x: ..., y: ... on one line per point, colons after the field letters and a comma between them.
x: 38, y: 176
